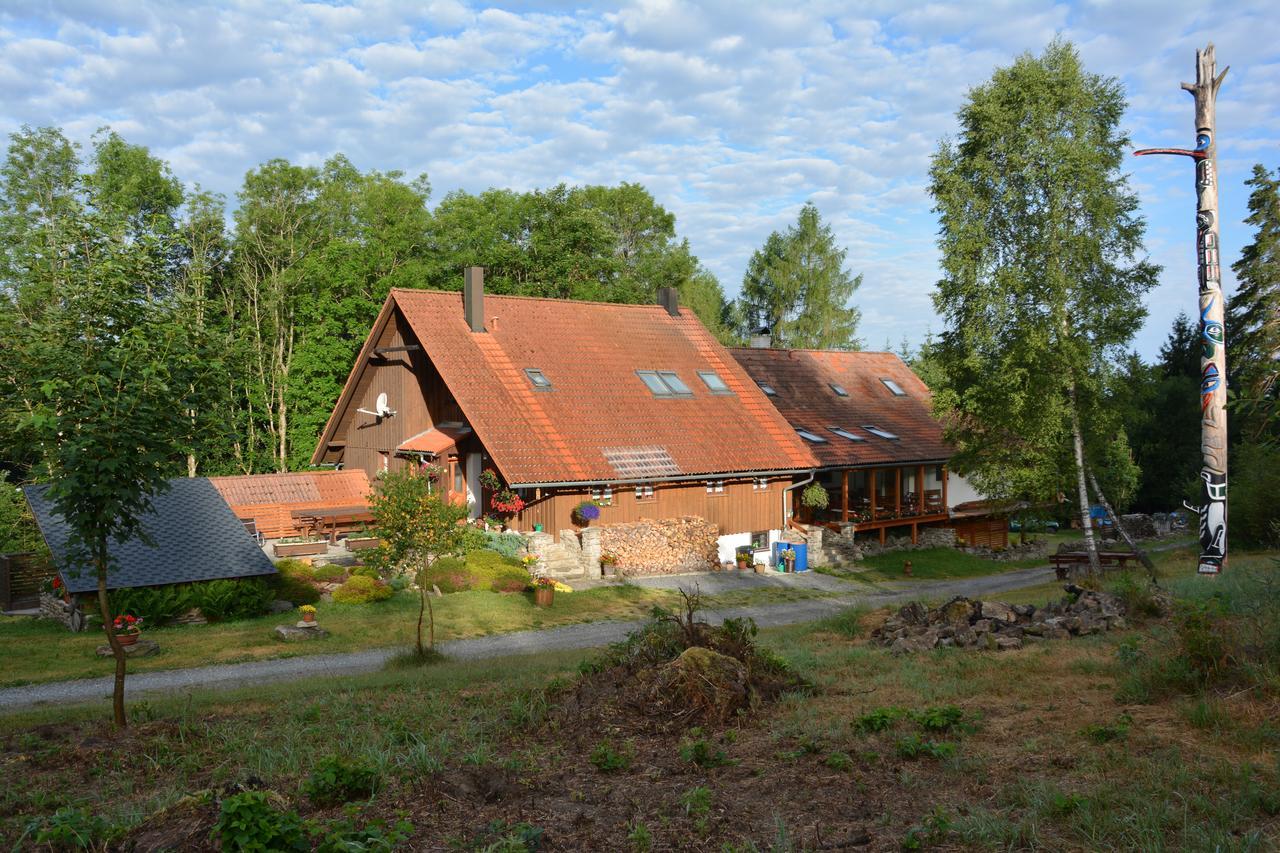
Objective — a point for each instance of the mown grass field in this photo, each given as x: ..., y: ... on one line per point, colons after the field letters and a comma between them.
x: 1073, y: 745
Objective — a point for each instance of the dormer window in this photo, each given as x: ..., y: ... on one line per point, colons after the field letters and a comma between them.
x: 838, y: 389
x: 810, y: 436
x: 844, y: 433
x: 894, y: 387
x: 883, y: 433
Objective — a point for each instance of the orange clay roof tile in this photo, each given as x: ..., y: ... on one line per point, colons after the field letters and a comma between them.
x: 590, y: 353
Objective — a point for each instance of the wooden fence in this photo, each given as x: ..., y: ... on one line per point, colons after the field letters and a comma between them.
x: 21, y: 576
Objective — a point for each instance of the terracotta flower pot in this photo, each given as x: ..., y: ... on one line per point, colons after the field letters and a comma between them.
x: 544, y: 595
x: 127, y: 639
x: 308, y: 617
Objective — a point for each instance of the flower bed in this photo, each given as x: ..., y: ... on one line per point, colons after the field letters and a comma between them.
x: 306, y: 548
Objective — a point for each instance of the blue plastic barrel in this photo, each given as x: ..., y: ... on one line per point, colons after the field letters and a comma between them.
x: 802, y: 554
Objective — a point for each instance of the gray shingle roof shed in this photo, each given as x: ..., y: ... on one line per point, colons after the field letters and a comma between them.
x: 195, y: 537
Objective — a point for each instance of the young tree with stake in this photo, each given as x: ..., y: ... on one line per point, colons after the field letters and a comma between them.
x: 417, y: 528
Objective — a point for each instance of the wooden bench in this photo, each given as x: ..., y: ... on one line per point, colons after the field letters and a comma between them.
x: 1063, y: 562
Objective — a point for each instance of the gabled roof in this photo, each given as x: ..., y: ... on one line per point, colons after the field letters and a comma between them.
x: 805, y: 398
x: 195, y: 537
x: 270, y: 498
x: 598, y: 421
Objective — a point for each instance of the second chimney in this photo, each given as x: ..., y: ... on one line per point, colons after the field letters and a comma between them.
x: 473, y: 297
x: 669, y: 298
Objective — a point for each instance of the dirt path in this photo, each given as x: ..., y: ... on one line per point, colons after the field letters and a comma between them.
x: 589, y: 635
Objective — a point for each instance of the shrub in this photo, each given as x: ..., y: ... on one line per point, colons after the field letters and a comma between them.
x: 815, y: 496
x: 330, y: 573
x: 362, y: 590
x: 365, y: 571
x: 343, y: 836
x: 293, y: 582
x: 335, y: 781
x: 249, y: 822
x: 68, y: 828
x: 236, y: 598
x: 914, y: 746
x: 229, y: 598
x: 607, y: 758
x: 940, y: 719
x: 1138, y: 595
x: 1255, y: 482
x: 878, y: 720
x: 510, y: 545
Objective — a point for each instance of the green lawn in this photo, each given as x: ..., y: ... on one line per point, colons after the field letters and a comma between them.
x: 37, y: 650
x: 926, y: 564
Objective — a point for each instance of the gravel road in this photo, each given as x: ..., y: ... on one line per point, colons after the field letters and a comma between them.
x: 583, y: 636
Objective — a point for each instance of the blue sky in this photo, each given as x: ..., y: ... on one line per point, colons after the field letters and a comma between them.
x: 733, y: 114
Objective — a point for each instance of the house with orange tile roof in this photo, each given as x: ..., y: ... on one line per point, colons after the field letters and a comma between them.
x: 866, y: 417
x: 637, y: 407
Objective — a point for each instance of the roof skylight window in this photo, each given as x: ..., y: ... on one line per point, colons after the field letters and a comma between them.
x: 713, y: 382
x: 767, y: 388
x: 538, y: 378
x: 664, y: 383
x: 810, y: 436
x: 883, y: 433
x: 840, y: 392
x: 894, y: 387
x: 844, y: 433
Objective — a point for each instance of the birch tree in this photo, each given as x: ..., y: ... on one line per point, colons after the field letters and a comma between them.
x: 1043, y: 270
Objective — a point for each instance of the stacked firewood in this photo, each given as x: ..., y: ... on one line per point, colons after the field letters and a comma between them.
x: 663, y: 547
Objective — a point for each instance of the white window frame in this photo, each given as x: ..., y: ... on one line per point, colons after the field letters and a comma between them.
x: 644, y: 492
x: 760, y: 484
x: 715, y: 487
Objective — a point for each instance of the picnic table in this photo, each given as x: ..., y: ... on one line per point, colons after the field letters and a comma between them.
x: 1065, y: 560
x: 330, y: 520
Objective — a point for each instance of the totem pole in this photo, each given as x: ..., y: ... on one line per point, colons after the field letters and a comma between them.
x: 1213, y: 356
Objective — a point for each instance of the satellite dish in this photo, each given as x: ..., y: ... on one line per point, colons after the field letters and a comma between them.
x: 382, y: 407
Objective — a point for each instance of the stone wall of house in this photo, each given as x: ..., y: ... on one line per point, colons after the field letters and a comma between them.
x: 661, y: 547
x: 926, y: 537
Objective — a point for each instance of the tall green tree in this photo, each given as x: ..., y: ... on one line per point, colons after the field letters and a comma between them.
x: 609, y: 244
x: 796, y: 284
x: 1253, y: 321
x: 1043, y: 274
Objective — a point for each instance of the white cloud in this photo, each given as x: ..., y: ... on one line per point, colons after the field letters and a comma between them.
x: 733, y: 114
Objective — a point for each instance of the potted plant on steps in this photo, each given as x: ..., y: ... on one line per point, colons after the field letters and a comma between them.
x: 128, y: 628
x: 544, y: 591
x: 608, y: 564
x: 308, y: 612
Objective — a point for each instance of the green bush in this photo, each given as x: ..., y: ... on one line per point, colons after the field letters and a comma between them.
x: 366, y: 571
x: 229, y: 598
x: 68, y: 828
x: 249, y: 822
x: 450, y: 574
x: 237, y: 598
x: 509, y: 545
x: 607, y: 758
x: 1255, y: 482
x: 343, y: 836
x: 293, y: 583
x: 362, y: 590
x: 335, y: 781
x: 329, y: 573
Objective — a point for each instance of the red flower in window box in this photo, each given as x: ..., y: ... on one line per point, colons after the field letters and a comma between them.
x: 507, y: 502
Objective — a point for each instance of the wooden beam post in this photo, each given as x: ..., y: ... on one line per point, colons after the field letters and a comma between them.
x: 1213, y: 357
x: 915, y: 531
x: 844, y: 496
x: 946, y: 475
x: 920, y: 491
x: 897, y: 491
x: 874, y: 486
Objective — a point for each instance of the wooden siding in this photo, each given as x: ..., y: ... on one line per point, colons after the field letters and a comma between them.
x: 740, y: 508
x: 414, y: 391
x: 983, y: 532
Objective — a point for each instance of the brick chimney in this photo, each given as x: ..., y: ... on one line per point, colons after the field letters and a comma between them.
x: 473, y: 297
x: 669, y: 298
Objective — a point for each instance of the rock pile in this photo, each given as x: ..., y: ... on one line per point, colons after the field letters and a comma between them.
x: 995, y: 625
x: 666, y: 546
